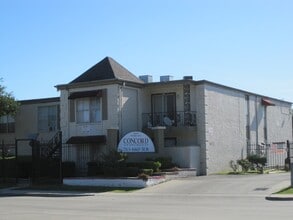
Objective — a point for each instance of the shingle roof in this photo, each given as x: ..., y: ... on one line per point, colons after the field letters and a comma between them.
x: 107, y: 68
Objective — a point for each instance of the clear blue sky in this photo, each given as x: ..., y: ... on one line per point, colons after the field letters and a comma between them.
x: 247, y: 44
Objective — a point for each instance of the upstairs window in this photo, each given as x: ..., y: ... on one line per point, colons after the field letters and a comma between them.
x: 7, y: 124
x: 164, y: 109
x: 48, y: 118
x: 88, y: 110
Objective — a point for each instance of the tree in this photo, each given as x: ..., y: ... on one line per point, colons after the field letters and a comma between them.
x: 8, y: 104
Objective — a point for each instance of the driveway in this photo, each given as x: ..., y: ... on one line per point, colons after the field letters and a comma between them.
x: 223, y: 185
x: 211, y: 197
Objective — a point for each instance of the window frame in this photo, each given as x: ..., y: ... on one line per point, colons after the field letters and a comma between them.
x: 88, y: 110
x: 166, y: 110
x: 52, y: 120
x: 8, y: 124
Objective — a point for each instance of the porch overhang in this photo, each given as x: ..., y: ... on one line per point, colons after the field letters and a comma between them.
x: 95, y: 139
x: 85, y: 94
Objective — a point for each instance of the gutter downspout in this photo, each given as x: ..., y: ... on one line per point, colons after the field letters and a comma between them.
x: 256, y: 120
x: 120, y: 92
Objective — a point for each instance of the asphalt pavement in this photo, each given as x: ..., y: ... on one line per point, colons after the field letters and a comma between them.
x: 208, y: 197
x: 215, y: 185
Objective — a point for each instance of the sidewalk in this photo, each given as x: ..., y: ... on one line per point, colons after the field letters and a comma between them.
x: 280, y: 197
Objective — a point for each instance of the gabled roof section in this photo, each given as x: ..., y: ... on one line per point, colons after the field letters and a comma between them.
x: 107, y: 69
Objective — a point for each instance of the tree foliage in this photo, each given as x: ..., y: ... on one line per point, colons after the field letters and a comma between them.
x: 8, y: 104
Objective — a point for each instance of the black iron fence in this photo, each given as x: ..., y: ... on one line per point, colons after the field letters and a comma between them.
x: 176, y: 119
x: 29, y: 159
x: 290, y: 151
x: 276, y: 153
x: 8, y: 167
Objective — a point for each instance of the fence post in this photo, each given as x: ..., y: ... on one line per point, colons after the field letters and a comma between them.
x: 3, y: 162
x: 60, y: 159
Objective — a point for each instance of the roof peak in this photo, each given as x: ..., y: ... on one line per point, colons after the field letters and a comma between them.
x: 107, y: 68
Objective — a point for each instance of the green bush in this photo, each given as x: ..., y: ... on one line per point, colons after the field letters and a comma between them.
x: 245, y: 164
x: 8, y: 168
x: 121, y: 171
x: 92, y: 168
x: 258, y: 161
x: 155, y: 166
x: 148, y: 172
x: 24, y: 169
x: 234, y: 166
x: 166, y: 162
x: 113, y: 159
x: 131, y: 171
x: 68, y: 169
x: 49, y: 168
x: 110, y: 171
x: 143, y: 176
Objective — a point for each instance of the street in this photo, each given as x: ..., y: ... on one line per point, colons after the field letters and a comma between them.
x: 216, y: 196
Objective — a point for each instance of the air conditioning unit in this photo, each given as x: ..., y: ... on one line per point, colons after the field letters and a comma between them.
x: 146, y: 78
x: 166, y: 78
x: 188, y: 77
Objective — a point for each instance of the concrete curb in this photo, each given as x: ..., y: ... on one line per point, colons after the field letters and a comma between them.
x: 10, y: 192
x: 279, y: 197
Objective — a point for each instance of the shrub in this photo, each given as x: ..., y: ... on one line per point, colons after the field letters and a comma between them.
x: 234, y: 166
x: 8, y: 168
x: 121, y: 171
x: 92, y: 168
x: 143, y: 176
x: 245, y: 164
x: 155, y: 166
x: 68, y: 169
x: 113, y: 159
x: 131, y: 171
x: 166, y: 162
x: 258, y: 161
x: 148, y: 172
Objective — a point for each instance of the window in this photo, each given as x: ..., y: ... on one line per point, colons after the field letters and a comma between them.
x: 48, y: 118
x: 88, y: 110
x: 7, y: 124
x: 164, y: 108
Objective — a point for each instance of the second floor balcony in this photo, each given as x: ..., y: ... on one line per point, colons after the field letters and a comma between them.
x: 174, y: 119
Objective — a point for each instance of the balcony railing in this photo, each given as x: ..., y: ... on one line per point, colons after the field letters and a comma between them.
x: 175, y: 119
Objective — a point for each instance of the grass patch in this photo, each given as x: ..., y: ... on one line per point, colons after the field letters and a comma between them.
x: 88, y: 189
x: 268, y: 171
x: 288, y: 190
x: 238, y: 173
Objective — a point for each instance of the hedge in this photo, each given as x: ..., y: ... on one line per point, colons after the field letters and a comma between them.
x: 154, y: 165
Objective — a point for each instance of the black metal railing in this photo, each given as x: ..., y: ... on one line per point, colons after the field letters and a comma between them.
x: 52, y: 148
x: 175, y: 119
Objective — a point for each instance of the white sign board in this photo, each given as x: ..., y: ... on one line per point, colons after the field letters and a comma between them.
x: 134, y: 142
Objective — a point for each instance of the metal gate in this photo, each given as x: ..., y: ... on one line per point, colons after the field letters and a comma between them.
x: 41, y: 162
x: 276, y: 153
x: 8, y: 167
